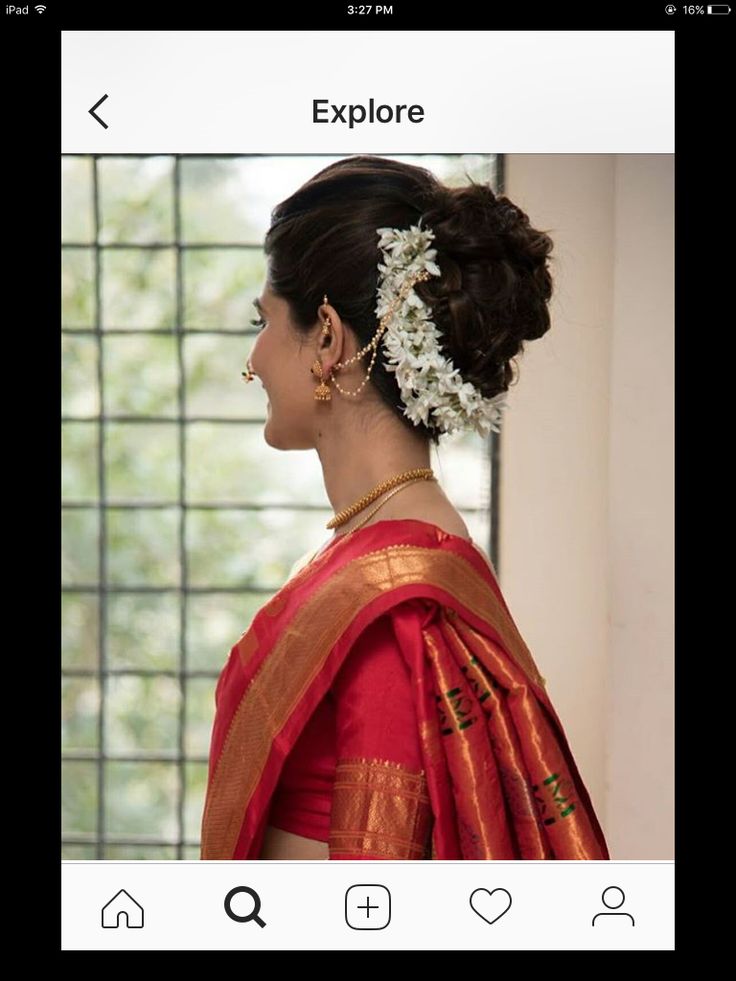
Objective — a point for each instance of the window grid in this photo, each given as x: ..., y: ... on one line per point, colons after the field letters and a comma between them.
x: 102, y: 589
x: 101, y: 518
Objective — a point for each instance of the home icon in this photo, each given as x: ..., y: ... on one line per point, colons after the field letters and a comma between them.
x: 122, y: 904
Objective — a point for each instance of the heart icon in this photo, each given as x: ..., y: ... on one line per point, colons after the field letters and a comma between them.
x: 488, y: 905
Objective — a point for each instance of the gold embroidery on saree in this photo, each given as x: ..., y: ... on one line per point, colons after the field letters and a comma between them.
x: 380, y: 809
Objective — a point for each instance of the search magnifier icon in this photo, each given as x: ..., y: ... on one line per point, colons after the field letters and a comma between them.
x: 253, y: 915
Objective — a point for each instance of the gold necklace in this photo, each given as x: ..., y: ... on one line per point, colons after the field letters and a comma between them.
x: 366, y: 519
x: 418, y: 473
x: 388, y: 497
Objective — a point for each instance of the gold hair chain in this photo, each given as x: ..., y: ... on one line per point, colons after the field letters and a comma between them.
x: 322, y: 393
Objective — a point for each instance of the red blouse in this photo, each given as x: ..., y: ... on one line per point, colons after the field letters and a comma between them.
x: 367, y: 719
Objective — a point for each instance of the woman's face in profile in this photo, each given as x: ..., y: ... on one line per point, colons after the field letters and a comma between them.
x: 283, y: 368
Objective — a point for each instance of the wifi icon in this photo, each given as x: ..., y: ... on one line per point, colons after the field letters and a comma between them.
x: 40, y: 8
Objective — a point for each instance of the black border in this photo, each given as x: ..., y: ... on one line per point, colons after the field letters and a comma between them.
x: 32, y: 446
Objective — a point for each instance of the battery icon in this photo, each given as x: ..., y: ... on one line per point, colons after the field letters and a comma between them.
x: 719, y: 8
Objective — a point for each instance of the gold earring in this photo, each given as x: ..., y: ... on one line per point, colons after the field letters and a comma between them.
x: 322, y: 392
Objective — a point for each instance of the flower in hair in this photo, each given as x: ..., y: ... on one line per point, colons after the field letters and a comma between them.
x: 430, y: 385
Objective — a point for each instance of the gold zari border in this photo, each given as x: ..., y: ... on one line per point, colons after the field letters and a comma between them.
x: 380, y: 809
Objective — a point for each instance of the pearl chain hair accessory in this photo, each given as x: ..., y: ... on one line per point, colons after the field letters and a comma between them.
x: 429, y: 383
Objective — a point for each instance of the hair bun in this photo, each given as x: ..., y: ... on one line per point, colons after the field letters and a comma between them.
x: 495, y: 284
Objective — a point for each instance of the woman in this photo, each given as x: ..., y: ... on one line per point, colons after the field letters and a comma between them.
x: 383, y: 704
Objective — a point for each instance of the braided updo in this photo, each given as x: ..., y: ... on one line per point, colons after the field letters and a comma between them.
x: 495, y: 285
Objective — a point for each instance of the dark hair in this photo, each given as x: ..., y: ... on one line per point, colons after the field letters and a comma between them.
x: 492, y: 294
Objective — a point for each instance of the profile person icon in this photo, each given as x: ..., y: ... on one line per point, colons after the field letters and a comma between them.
x: 609, y: 896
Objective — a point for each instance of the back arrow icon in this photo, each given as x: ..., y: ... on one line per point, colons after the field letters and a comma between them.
x: 94, y: 114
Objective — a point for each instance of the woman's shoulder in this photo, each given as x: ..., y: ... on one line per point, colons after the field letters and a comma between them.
x: 447, y: 519
x: 439, y: 512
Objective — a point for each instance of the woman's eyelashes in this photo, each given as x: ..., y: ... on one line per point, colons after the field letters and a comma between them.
x: 259, y: 323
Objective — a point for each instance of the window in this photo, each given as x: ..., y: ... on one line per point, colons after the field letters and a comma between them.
x: 178, y: 521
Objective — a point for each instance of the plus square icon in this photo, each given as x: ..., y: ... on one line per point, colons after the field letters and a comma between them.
x: 368, y: 907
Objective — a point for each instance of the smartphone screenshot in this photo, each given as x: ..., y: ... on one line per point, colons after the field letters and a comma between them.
x: 366, y: 376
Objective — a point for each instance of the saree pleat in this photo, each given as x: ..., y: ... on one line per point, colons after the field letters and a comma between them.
x: 550, y: 809
x: 445, y: 839
x: 482, y: 822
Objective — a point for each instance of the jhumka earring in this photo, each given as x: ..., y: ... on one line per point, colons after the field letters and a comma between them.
x: 322, y: 392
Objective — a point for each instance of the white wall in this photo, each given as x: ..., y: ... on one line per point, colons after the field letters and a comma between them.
x: 586, y: 495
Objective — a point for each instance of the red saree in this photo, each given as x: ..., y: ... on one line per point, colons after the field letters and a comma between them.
x: 496, y: 778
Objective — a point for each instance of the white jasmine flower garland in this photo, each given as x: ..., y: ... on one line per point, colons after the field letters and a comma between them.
x: 428, y: 381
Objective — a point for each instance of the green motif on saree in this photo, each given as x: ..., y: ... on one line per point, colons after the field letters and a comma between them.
x: 553, y: 785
